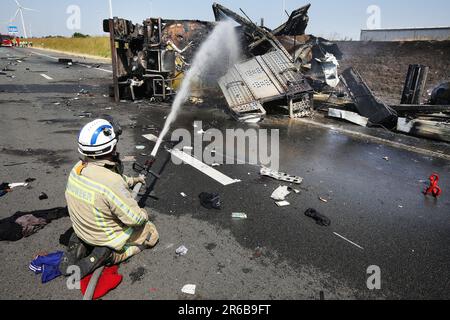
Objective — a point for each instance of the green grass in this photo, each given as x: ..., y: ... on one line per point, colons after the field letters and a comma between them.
x: 94, y: 46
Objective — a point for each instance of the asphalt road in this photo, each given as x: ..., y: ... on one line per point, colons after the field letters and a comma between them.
x: 378, y: 214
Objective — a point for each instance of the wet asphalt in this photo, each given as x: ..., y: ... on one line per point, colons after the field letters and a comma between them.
x: 277, y: 253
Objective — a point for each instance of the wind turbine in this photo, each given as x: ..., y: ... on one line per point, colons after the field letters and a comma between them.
x: 20, y: 10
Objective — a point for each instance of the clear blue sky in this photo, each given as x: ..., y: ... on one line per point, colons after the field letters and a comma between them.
x: 342, y: 18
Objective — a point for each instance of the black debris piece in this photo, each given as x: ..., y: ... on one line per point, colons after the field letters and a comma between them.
x: 43, y: 196
x: 441, y: 94
x: 416, y: 80
x: 319, y: 218
x: 210, y: 200
x: 366, y: 103
x: 10, y: 231
x: 64, y: 239
x: 24, y: 224
x: 65, y: 61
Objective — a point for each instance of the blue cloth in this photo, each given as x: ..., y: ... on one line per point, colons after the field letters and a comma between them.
x: 2, y: 193
x: 48, y: 266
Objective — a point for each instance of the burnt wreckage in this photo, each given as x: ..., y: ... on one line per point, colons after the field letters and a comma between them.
x: 281, y: 68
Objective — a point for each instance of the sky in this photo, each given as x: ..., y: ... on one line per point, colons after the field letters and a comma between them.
x: 342, y: 19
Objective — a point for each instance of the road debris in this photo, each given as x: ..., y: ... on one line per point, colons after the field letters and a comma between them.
x: 140, y: 147
x: 281, y: 176
x: 43, y: 196
x: 24, y: 224
x: 181, y: 251
x: 320, y: 219
x: 47, y: 265
x: 282, y: 203
x: 433, y: 189
x: 323, y: 199
x: 151, y: 137
x: 183, y: 194
x: 210, y: 200
x: 280, y: 193
x: 109, y: 280
x: 189, y: 289
x: 239, y: 215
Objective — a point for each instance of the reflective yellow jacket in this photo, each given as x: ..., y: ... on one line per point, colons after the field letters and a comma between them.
x: 101, y: 207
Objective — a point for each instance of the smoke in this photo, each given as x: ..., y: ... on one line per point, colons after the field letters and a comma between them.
x: 217, y: 54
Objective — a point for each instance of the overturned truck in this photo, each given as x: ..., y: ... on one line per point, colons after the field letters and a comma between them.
x: 280, y: 68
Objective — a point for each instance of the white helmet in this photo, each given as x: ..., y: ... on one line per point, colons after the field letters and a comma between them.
x: 97, y: 138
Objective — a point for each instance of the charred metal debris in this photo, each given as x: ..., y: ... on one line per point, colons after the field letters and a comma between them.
x: 282, y: 71
x: 280, y: 68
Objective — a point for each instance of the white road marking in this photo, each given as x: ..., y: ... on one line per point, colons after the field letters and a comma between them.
x: 197, y: 164
x: 80, y: 64
x: 44, y: 55
x: 46, y: 76
x: 344, y: 238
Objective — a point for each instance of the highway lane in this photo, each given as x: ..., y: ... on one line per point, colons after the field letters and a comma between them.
x: 378, y: 215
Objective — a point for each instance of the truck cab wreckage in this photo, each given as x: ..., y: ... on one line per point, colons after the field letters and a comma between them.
x: 281, y: 68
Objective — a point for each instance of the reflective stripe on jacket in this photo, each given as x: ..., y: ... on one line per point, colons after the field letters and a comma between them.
x: 101, y: 207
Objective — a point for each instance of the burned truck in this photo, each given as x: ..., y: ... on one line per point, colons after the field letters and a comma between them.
x: 279, y: 72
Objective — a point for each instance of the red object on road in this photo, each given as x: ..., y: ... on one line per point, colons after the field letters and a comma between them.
x: 434, y: 188
x: 109, y: 280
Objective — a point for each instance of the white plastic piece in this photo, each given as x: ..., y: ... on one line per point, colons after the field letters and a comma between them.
x: 281, y: 176
x: 280, y: 193
x: 283, y: 203
x: 239, y: 215
x: 150, y: 137
x: 189, y: 289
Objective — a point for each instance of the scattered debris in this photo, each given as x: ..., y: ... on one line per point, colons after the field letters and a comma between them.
x: 441, y: 94
x: 434, y: 189
x: 189, y: 289
x: 43, y: 196
x: 367, y: 105
x: 181, y: 251
x: 140, y: 147
x: 151, y: 137
x: 65, y: 61
x: 349, y: 116
x: 183, y: 194
x: 47, y: 265
x: 210, y: 200
x: 319, y: 218
x: 239, y: 215
x: 432, y: 127
x: 282, y: 203
x: 386, y: 158
x: 280, y: 193
x: 323, y: 199
x: 416, y: 80
x: 109, y: 280
x: 281, y: 176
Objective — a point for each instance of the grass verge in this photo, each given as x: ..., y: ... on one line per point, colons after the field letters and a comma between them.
x: 93, y: 46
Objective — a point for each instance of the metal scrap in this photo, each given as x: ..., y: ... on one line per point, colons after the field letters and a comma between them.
x: 281, y: 176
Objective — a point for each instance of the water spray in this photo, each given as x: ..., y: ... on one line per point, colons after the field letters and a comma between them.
x: 223, y: 40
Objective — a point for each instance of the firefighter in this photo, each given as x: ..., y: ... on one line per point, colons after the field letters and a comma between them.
x: 109, y: 225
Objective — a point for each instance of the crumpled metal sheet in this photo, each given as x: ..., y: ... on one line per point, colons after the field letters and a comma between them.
x: 262, y: 79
